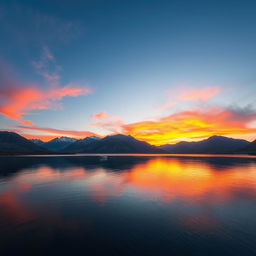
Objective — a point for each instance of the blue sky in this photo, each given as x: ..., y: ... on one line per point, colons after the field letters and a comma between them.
x: 133, y: 55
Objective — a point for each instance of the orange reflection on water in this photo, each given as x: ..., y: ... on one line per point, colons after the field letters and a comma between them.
x: 158, y: 178
x: 175, y: 178
x: 198, y: 183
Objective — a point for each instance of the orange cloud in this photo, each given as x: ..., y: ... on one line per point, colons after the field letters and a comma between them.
x: 17, y: 100
x: 192, y: 125
x: 101, y: 115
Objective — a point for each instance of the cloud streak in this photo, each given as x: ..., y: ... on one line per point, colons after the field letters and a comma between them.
x: 47, y: 67
x: 17, y: 101
x: 108, y: 122
x: 202, y: 95
x: 49, y: 132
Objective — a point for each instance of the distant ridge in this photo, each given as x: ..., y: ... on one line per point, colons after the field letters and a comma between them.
x: 13, y: 143
x: 212, y: 145
x: 58, y: 144
x: 250, y: 148
x: 80, y: 145
x: 121, y: 144
x: 37, y: 141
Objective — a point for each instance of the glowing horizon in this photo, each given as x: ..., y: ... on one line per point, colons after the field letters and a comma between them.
x: 185, y: 125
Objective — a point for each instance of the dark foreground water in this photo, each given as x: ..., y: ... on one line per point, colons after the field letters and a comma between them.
x: 128, y: 205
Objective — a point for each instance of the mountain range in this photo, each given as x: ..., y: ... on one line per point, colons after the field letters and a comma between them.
x: 79, y: 145
x: 13, y: 143
x: 120, y: 144
x: 58, y: 144
x: 212, y: 145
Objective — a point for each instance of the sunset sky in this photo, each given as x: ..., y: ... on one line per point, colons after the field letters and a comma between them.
x: 161, y: 71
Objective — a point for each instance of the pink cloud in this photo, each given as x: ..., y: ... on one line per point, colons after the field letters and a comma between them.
x: 166, y: 105
x: 18, y: 100
x: 202, y: 94
x: 108, y: 122
x: 56, y: 132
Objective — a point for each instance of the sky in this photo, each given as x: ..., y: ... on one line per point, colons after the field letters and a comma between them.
x: 161, y: 71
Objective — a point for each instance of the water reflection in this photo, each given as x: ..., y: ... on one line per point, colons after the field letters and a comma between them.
x: 172, y: 178
x: 85, y: 196
x: 157, y: 178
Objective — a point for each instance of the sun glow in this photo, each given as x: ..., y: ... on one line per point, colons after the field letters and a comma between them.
x: 191, y: 126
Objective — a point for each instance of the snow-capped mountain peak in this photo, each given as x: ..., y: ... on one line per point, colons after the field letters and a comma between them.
x: 66, y: 139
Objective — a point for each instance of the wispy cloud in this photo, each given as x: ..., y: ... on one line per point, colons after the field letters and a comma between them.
x: 108, y: 122
x: 46, y: 67
x: 202, y: 94
x: 188, y: 94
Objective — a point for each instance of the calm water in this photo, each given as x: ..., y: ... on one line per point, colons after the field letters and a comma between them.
x: 128, y: 205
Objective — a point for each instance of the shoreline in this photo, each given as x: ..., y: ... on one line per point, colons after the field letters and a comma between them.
x: 124, y: 154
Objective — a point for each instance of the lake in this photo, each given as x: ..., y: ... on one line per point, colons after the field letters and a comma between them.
x: 128, y: 205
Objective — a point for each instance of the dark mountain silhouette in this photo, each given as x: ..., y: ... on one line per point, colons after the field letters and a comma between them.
x: 80, y: 145
x: 250, y: 148
x: 212, y: 145
x: 13, y: 143
x: 58, y: 144
x: 37, y: 141
x: 120, y: 144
